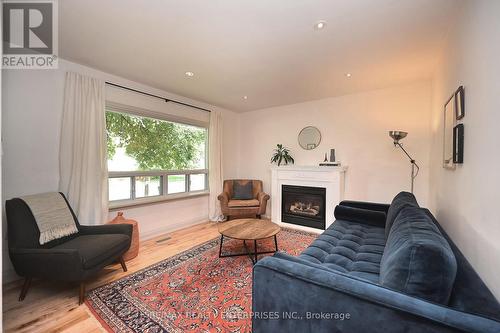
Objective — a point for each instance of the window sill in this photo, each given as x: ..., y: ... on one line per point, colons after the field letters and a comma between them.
x: 155, y: 200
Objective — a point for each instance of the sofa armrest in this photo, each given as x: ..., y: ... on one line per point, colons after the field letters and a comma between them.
x: 288, y: 288
x: 263, y: 198
x: 57, y: 264
x: 366, y: 205
x: 224, y: 196
x: 360, y: 215
x: 125, y: 229
x: 224, y: 199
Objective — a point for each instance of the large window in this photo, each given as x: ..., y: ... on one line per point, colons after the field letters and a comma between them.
x: 151, y: 158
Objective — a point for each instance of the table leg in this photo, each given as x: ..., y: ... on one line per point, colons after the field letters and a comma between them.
x: 220, y: 248
x: 249, y: 253
x: 255, y: 250
x: 252, y: 255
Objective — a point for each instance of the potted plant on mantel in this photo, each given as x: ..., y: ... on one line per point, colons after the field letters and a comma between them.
x: 282, y: 154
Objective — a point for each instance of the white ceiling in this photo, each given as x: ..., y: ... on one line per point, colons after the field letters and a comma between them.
x: 264, y: 49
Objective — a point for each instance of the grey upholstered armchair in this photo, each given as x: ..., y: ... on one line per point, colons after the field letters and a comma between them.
x: 72, y: 258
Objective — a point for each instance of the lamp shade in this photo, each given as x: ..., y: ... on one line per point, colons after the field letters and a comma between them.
x: 397, y: 135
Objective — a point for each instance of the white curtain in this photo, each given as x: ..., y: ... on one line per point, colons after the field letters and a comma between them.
x: 215, y: 178
x: 83, y: 154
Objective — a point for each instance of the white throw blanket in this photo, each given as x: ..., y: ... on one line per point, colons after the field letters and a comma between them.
x: 52, y: 215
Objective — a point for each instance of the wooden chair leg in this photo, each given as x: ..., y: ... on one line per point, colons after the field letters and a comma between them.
x: 24, y: 290
x: 122, y: 262
x: 81, y: 298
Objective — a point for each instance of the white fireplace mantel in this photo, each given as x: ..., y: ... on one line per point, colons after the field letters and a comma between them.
x: 330, y: 178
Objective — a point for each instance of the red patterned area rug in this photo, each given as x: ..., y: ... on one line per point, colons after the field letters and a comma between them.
x: 194, y: 291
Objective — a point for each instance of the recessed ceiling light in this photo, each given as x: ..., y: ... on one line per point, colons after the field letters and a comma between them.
x: 320, y: 25
x: 348, y: 74
x: 189, y: 74
x: 245, y: 97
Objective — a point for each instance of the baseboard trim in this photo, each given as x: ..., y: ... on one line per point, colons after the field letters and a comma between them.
x: 300, y: 227
x: 170, y: 228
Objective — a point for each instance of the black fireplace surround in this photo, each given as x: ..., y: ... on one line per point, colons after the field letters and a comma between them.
x: 303, y: 205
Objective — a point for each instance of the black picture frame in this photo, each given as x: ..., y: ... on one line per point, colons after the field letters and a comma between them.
x: 458, y: 144
x: 460, y: 103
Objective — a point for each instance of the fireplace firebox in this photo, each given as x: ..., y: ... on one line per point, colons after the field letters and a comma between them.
x: 303, y: 205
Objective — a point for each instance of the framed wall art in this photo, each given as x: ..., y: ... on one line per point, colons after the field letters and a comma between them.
x: 449, y: 124
x: 453, y: 132
x: 458, y: 144
x: 460, y: 103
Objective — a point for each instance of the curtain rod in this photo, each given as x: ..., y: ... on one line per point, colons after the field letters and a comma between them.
x: 163, y: 98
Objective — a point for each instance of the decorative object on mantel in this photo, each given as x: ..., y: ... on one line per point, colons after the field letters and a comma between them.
x: 309, y: 137
x: 458, y: 144
x: 334, y: 164
x: 282, y: 154
x: 397, y: 136
x: 454, y: 110
x: 133, y: 251
x: 332, y: 155
x: 332, y: 161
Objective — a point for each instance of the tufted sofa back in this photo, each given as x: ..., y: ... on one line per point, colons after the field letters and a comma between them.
x: 417, y: 259
x: 400, y: 201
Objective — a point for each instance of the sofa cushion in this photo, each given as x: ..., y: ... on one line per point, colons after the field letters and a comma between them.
x: 360, y: 215
x: 400, y: 201
x: 349, y: 247
x: 417, y: 259
x: 95, y: 249
x: 243, y: 203
x: 242, y: 190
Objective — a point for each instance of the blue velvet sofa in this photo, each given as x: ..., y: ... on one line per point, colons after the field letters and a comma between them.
x: 377, y: 268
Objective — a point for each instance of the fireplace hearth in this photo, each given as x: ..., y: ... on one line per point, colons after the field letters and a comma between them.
x: 303, y: 205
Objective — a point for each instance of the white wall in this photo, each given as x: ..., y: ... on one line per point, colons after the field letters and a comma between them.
x: 466, y: 200
x: 32, y: 109
x: 357, y: 127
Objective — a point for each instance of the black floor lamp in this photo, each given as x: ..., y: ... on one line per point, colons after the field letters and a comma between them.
x: 399, y: 135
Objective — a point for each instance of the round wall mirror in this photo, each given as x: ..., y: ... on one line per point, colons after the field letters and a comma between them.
x: 309, y: 137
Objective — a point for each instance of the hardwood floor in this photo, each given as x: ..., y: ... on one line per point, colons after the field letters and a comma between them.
x: 53, y: 307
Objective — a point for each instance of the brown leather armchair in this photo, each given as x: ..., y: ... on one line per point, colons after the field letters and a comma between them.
x: 232, y: 208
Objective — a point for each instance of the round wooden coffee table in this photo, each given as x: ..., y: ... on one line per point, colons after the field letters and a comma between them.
x: 248, y: 230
